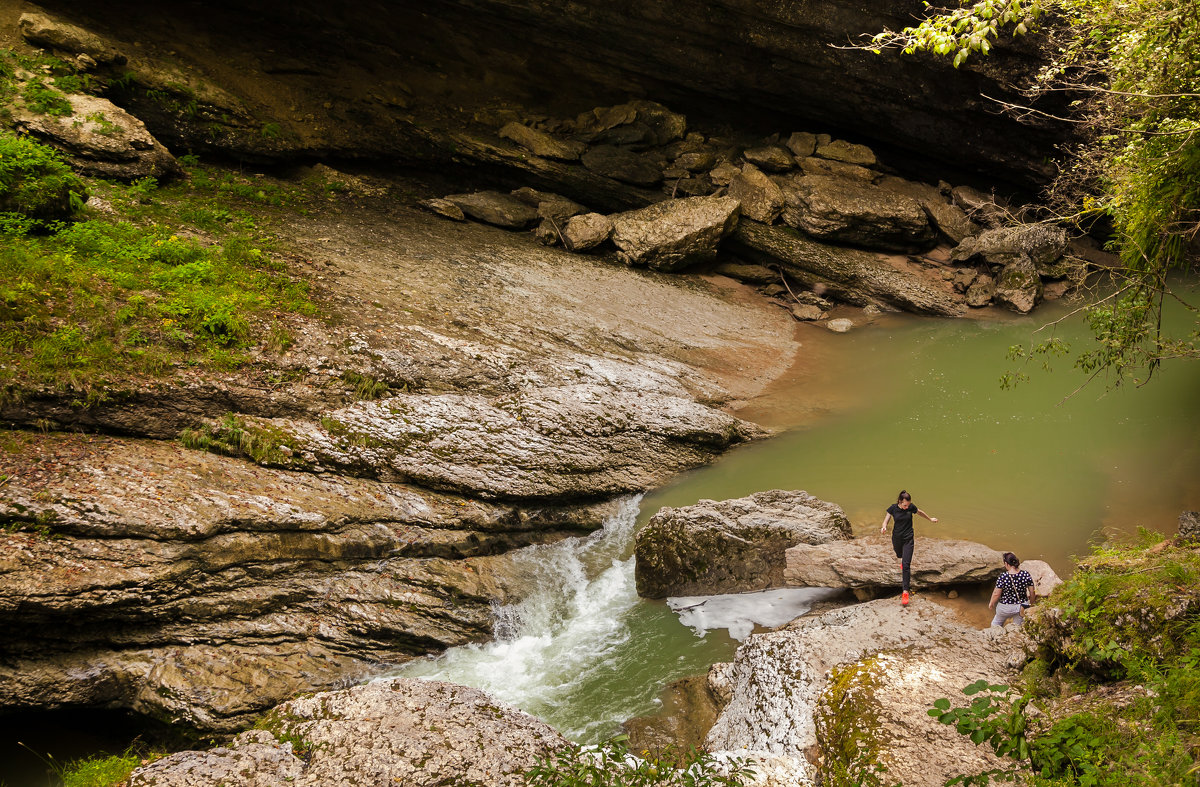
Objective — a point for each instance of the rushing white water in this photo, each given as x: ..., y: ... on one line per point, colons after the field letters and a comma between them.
x: 581, y: 650
x: 739, y: 613
x: 567, y: 631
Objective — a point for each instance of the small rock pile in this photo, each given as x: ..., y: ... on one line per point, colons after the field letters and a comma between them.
x: 830, y: 191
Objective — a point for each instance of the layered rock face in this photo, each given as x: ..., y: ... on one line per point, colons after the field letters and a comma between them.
x: 205, y: 588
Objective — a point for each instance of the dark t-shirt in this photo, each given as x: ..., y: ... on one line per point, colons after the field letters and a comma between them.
x: 1014, y: 588
x: 902, y: 532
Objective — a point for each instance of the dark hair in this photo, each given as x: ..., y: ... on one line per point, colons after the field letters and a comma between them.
x: 903, y: 496
x: 1011, y: 560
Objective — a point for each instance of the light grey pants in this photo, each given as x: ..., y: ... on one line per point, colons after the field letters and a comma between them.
x: 1006, y: 611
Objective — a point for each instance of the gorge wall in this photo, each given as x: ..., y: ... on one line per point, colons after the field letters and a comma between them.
x: 516, y: 390
x: 387, y: 80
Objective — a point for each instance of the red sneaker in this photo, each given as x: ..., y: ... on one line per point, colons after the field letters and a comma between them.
x: 904, y: 598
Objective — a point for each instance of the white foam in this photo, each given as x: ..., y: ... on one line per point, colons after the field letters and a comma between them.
x: 741, y: 612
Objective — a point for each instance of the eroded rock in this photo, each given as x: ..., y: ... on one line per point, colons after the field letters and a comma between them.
x: 44, y: 31
x: 730, y: 545
x: 761, y: 199
x: 772, y: 158
x: 397, y: 731
x: 587, y: 231
x: 539, y: 143
x: 622, y: 164
x: 850, y: 275
x: 674, y: 234
x: 848, y: 152
x: 778, y: 682
x: 492, y: 207
x: 1018, y: 287
x: 101, y: 140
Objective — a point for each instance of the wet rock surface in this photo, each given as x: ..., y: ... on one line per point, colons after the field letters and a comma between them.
x: 730, y: 545
x: 398, y: 731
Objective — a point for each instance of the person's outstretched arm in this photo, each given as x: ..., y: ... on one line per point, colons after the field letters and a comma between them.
x: 886, y: 518
x: 927, y: 516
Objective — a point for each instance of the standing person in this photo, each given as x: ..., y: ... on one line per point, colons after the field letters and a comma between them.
x: 901, y: 512
x: 1014, y: 591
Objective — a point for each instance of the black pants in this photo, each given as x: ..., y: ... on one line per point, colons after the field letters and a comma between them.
x: 904, y: 551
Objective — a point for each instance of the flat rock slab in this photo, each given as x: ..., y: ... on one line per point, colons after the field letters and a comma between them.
x: 398, y: 731
x: 492, y: 207
x: 870, y: 562
x: 730, y: 546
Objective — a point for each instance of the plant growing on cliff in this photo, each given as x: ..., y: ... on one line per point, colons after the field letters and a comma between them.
x: 610, y: 764
x: 1118, y: 679
x: 35, y: 182
x: 1131, y: 72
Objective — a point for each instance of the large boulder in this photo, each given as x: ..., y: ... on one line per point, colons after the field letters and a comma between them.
x: 398, y: 731
x: 674, y: 234
x: 1043, y: 244
x: 1019, y: 287
x: 1045, y: 580
x: 949, y: 219
x: 44, y: 31
x: 850, y: 275
x: 869, y: 564
x: 845, y: 210
x: 492, y: 207
x: 730, y: 545
x: 760, y: 197
x: 539, y: 143
x: 101, y: 140
x: 783, y: 684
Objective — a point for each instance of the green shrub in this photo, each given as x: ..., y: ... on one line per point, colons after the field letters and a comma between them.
x: 35, y: 181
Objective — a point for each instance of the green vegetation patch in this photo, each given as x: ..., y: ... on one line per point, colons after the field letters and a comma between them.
x: 1123, y: 605
x: 178, y: 276
x: 35, y: 183
x: 1117, y: 678
x: 233, y: 436
x: 848, y: 730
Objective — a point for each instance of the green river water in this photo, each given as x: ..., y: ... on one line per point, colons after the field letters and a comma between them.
x: 904, y: 403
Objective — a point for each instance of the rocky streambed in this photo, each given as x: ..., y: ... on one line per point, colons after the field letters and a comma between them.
x: 204, y: 546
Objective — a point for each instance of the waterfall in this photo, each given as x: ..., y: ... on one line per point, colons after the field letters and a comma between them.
x: 566, y: 639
